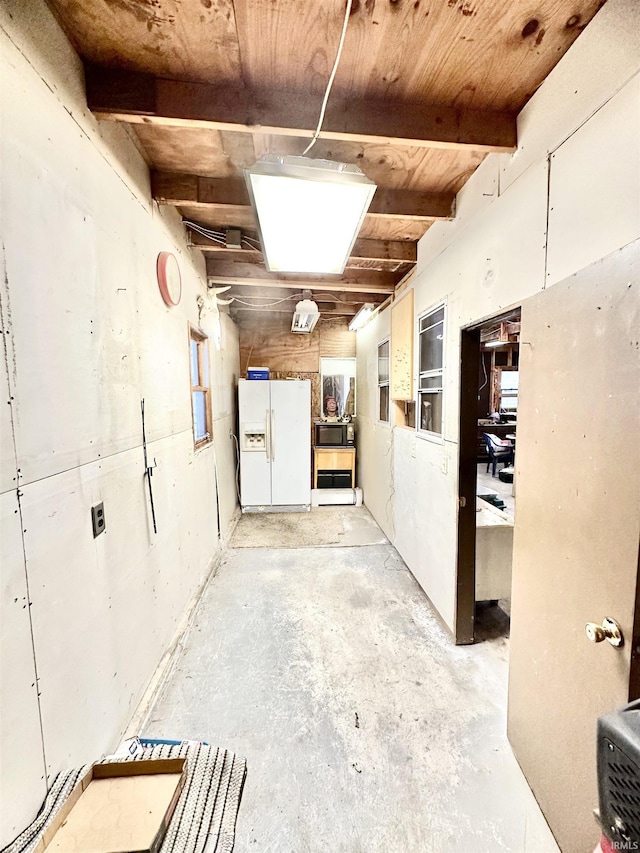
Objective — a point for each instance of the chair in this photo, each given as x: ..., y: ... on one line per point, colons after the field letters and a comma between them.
x: 498, y: 450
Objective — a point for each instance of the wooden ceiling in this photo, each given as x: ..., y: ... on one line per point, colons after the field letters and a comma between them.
x: 424, y: 91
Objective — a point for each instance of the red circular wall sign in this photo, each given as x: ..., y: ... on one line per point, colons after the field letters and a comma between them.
x: 169, y: 279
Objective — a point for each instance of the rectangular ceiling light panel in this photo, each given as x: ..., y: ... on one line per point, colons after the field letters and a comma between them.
x: 309, y: 212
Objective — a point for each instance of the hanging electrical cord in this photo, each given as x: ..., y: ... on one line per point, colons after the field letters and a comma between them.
x: 220, y: 237
x: 250, y: 241
x: 214, y: 236
x: 331, y: 78
x: 197, y: 227
x: 235, y: 438
x: 484, y: 370
x: 263, y: 305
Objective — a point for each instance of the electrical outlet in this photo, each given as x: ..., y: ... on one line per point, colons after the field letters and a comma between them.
x: 97, y: 519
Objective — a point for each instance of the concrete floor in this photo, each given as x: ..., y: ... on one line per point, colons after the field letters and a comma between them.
x: 365, y: 729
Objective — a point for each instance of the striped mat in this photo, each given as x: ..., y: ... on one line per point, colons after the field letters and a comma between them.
x: 205, y: 817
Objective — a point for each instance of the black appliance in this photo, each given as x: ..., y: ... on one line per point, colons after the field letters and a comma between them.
x: 619, y: 776
x: 334, y: 434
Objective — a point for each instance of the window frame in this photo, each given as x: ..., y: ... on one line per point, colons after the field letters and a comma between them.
x: 204, y: 369
x: 432, y: 373
x: 384, y: 384
x: 511, y: 393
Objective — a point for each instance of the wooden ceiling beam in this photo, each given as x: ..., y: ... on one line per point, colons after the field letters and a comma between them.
x: 197, y: 191
x: 352, y: 301
x: 306, y: 284
x: 143, y: 98
x: 390, y: 251
x: 221, y: 273
x: 288, y: 309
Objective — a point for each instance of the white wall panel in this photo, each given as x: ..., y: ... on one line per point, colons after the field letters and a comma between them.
x: 225, y: 371
x: 71, y: 612
x: 599, y: 63
x: 374, y: 453
x: 91, y: 337
x: 81, y: 263
x: 111, y: 603
x: 8, y: 463
x: 475, y: 196
x: 497, y: 260
x: 408, y: 523
x: 436, y: 508
x: 493, y: 256
x: 22, y: 773
x: 594, y: 206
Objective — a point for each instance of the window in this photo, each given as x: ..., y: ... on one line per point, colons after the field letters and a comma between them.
x: 431, y: 332
x: 509, y: 390
x: 383, y: 382
x: 338, y: 383
x: 200, y: 390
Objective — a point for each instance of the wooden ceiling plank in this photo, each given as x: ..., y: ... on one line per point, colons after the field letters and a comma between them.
x: 378, y: 228
x: 191, y: 41
x: 481, y: 55
x: 373, y: 227
x: 197, y: 191
x: 221, y: 154
x: 131, y: 97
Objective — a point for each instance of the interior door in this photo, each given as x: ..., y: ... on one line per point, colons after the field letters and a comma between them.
x: 576, y: 533
x: 291, y: 442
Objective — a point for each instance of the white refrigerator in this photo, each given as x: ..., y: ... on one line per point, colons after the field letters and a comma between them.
x: 275, y: 444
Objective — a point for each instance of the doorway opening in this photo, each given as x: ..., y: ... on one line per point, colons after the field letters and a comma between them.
x: 487, y: 489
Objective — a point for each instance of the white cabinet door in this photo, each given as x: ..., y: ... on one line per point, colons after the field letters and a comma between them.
x: 255, y: 468
x: 290, y: 442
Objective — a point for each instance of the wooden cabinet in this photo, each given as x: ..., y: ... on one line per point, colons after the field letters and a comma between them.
x: 334, y: 459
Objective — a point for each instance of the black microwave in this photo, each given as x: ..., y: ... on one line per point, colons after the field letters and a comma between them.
x: 334, y: 435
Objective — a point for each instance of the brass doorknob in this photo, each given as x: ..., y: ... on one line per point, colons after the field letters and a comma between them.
x: 609, y: 630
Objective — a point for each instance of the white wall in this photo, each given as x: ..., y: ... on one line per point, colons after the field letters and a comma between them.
x: 86, y: 336
x: 568, y: 196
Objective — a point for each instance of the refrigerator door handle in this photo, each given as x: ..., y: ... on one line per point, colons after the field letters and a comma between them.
x: 272, y: 436
x: 268, y: 436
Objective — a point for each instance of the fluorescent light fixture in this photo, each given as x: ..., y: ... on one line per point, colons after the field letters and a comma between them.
x: 309, y: 212
x: 361, y: 317
x: 496, y: 343
x: 305, y: 317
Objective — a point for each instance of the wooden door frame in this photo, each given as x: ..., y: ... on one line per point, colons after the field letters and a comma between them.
x: 465, y: 604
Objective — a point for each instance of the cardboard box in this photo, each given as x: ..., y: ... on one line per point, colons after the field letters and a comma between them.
x: 119, y: 807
